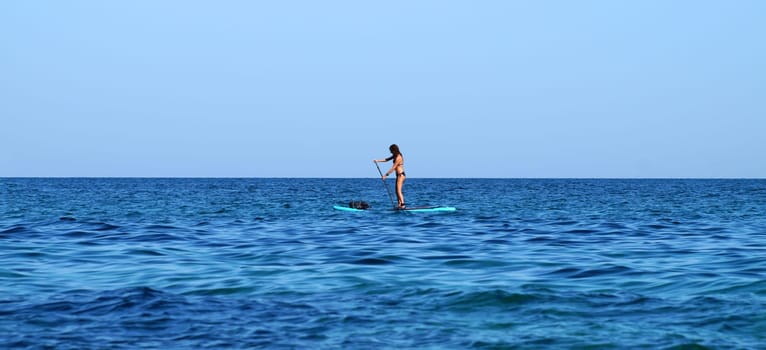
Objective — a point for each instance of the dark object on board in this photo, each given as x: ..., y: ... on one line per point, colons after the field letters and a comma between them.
x: 358, y: 205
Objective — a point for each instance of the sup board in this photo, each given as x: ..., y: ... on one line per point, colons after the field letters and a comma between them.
x: 408, y: 209
x: 338, y: 207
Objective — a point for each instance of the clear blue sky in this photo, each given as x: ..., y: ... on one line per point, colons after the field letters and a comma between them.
x: 649, y: 88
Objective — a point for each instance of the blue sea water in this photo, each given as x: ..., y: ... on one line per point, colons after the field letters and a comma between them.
x: 88, y: 263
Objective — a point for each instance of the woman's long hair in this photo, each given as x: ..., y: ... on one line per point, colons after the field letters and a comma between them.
x: 394, y: 150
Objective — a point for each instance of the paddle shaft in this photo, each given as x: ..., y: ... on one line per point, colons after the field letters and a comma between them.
x: 391, y: 197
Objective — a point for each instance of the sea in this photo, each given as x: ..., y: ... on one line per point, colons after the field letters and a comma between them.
x: 258, y: 263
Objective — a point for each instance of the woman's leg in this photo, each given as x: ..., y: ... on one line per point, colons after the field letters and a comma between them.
x: 399, y: 194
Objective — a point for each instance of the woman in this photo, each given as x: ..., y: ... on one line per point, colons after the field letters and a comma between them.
x: 398, y: 167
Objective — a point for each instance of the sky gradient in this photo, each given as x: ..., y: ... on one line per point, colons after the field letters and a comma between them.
x: 597, y: 89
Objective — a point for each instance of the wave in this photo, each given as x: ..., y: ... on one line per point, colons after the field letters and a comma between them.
x: 371, y: 261
x: 16, y: 229
x: 478, y: 300
x: 576, y: 273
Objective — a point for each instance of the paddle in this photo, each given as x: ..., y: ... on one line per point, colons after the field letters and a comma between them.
x: 385, y: 185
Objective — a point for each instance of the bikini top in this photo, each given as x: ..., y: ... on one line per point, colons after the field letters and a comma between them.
x: 394, y: 157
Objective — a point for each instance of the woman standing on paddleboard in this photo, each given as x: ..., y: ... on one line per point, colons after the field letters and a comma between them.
x: 398, y: 167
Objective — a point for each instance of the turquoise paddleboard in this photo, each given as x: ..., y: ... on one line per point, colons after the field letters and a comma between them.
x: 427, y: 209
x: 409, y: 209
x: 338, y: 207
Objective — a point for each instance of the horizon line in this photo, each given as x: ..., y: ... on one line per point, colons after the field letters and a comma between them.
x: 377, y: 177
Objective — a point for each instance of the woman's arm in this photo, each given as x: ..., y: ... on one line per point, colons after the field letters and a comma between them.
x: 397, y: 163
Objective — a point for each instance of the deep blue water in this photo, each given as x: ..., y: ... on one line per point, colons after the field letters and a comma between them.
x: 267, y: 263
